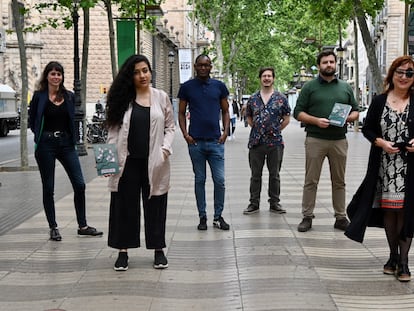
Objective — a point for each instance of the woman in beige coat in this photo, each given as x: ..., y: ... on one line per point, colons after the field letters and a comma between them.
x: 141, y: 124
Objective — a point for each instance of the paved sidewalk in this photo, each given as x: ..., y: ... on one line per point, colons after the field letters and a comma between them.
x: 262, y: 263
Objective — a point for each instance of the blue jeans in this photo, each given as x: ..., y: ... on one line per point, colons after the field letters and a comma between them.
x: 213, y: 153
x: 48, y: 150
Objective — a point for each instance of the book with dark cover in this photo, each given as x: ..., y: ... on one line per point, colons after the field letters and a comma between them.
x: 106, y: 158
x: 339, y: 114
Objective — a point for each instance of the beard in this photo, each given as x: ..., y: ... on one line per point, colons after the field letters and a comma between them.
x: 328, y: 72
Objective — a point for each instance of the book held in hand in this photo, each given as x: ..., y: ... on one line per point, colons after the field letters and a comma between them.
x: 106, y: 158
x: 339, y: 114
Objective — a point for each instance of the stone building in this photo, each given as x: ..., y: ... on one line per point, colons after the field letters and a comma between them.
x: 388, y: 32
x: 172, y: 32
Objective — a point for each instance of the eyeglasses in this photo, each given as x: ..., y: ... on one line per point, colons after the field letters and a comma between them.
x: 203, y: 65
x: 408, y: 73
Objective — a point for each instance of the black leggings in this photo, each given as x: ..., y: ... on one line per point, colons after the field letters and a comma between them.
x: 393, y: 223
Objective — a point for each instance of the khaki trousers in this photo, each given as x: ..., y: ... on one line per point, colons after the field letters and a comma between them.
x: 316, y: 150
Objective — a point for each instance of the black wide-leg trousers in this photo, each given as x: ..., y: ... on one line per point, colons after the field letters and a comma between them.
x: 125, y: 210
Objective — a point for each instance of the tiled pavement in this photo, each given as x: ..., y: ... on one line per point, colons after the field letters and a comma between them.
x: 262, y: 263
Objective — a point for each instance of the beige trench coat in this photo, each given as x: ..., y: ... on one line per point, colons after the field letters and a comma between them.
x: 162, y: 128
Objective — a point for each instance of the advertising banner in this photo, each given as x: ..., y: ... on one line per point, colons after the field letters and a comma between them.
x: 186, y: 64
x: 125, y: 35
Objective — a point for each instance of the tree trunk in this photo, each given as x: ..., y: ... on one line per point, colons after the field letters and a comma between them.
x: 356, y: 73
x: 85, y: 56
x: 370, y: 48
x: 111, y: 37
x: 24, y: 162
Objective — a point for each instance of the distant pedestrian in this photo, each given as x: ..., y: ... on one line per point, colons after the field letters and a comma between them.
x: 385, y: 198
x: 323, y: 140
x: 141, y: 124
x: 233, y: 120
x: 206, y: 98
x: 236, y: 108
x: 268, y: 113
x: 52, y: 120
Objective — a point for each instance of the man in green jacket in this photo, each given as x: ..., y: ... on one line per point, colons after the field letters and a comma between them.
x: 323, y: 138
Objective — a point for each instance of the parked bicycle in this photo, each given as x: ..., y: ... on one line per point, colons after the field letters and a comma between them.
x: 95, y: 129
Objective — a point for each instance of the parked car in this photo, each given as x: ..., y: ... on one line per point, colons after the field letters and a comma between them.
x: 362, y: 115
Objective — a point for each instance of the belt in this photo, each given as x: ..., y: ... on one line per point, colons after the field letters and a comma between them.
x: 55, y: 134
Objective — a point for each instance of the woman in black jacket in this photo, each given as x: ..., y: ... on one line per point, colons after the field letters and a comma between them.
x: 52, y: 113
x: 385, y: 198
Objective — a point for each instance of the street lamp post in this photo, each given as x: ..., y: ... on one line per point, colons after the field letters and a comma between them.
x: 171, y: 56
x: 79, y: 113
x: 340, y: 52
x: 150, y: 9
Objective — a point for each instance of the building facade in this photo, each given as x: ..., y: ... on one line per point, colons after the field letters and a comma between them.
x: 171, y: 32
x: 388, y: 32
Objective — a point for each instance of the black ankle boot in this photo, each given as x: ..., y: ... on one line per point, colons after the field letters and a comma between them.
x: 403, y: 274
x: 391, y: 266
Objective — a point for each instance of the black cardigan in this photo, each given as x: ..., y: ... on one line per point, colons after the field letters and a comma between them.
x: 360, y: 210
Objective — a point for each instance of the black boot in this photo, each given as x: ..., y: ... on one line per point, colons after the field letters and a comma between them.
x: 391, y: 266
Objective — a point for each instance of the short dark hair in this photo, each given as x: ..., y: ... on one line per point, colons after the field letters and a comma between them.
x: 399, y: 61
x: 202, y: 56
x: 323, y: 54
x: 263, y: 69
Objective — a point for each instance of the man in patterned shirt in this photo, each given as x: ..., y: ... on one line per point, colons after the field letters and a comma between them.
x: 268, y: 113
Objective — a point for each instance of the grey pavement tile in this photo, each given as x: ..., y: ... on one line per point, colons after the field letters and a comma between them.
x: 261, y: 263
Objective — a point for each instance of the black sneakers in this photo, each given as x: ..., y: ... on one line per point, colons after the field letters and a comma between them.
x: 251, y: 209
x: 160, y: 261
x: 121, y: 264
x: 277, y: 209
x: 89, y: 231
x: 219, y: 223
x: 55, y: 235
x: 203, y: 224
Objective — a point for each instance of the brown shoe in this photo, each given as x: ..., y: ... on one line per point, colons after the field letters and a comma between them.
x: 403, y: 274
x: 390, y: 267
x: 341, y: 224
x: 305, y: 225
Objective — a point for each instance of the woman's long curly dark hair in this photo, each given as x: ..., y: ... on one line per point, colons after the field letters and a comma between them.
x: 122, y: 91
x: 42, y: 85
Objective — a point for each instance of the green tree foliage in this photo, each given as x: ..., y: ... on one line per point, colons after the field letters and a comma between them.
x: 264, y: 33
x: 261, y: 33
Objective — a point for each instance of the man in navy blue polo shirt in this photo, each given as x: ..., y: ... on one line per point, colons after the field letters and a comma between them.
x: 205, y: 98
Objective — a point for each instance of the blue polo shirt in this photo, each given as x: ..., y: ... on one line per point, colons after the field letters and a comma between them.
x: 203, y: 100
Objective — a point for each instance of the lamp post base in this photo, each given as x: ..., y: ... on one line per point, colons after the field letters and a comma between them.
x: 79, y: 123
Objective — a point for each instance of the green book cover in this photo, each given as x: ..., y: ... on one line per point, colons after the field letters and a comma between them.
x: 339, y: 114
x: 106, y: 158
